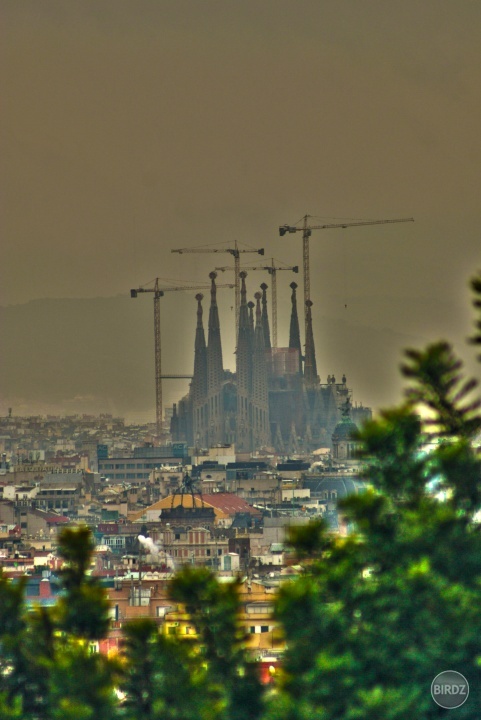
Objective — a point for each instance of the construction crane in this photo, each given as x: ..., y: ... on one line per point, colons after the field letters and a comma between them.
x: 158, y: 293
x: 272, y: 270
x: 307, y: 229
x: 235, y: 252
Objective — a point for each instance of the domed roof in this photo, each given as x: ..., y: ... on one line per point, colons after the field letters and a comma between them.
x: 344, y: 430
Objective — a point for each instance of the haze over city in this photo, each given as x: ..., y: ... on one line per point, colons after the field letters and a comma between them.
x: 129, y: 129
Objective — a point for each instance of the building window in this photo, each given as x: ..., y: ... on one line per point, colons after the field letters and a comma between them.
x: 264, y: 628
x: 252, y: 629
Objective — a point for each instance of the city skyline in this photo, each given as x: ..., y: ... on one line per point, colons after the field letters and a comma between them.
x: 132, y: 129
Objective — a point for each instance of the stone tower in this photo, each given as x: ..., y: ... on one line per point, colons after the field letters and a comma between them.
x: 294, y: 333
x: 310, y: 365
x: 265, y: 318
x: 215, y: 372
x: 243, y: 373
x: 260, y: 393
x: 199, y: 381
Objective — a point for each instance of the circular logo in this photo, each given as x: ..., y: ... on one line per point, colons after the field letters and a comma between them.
x: 449, y: 689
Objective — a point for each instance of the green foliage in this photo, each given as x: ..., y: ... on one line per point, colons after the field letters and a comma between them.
x: 391, y: 447
x: 10, y: 710
x: 231, y: 680
x: 81, y: 684
x: 310, y: 540
x: 47, y: 669
x: 12, y: 631
x: 83, y: 609
x: 163, y: 679
x: 49, y: 672
x: 476, y: 287
x: 179, y: 679
x: 440, y: 389
x: 379, y: 614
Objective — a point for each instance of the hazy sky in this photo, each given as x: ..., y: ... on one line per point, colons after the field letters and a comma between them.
x: 132, y: 127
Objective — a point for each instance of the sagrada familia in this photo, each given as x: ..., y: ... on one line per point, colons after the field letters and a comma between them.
x: 274, y: 400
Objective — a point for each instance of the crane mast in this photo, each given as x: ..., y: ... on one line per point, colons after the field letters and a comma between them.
x: 158, y: 293
x: 272, y: 270
x: 235, y: 252
x: 158, y: 360
x: 307, y: 229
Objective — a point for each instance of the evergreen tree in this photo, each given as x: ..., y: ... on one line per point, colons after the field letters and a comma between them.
x: 164, y: 678
x: 83, y: 609
x: 47, y: 668
x: 231, y: 681
x: 12, y: 631
x: 205, y: 678
x: 379, y: 614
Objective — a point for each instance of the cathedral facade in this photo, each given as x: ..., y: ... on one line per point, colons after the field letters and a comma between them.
x: 274, y: 400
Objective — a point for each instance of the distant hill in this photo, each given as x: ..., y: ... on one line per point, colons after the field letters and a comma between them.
x: 96, y: 355
x: 79, y: 355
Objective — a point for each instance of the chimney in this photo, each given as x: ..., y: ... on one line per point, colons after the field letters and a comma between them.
x: 45, y: 591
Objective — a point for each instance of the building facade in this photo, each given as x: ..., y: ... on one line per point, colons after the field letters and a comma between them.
x: 275, y: 400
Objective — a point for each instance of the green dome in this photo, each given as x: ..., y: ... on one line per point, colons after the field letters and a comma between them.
x: 344, y: 430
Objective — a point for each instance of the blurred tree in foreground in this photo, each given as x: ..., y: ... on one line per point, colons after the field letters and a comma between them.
x: 180, y: 679
x: 380, y: 613
x: 371, y: 621
x: 47, y: 669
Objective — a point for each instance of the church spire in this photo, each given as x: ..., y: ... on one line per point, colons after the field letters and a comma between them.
x: 243, y: 372
x: 199, y: 379
x: 265, y: 318
x: 246, y: 324
x: 260, y: 397
x: 251, y: 307
x: 294, y: 334
x: 214, y: 347
x: 310, y: 365
x: 259, y: 327
x: 215, y: 373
